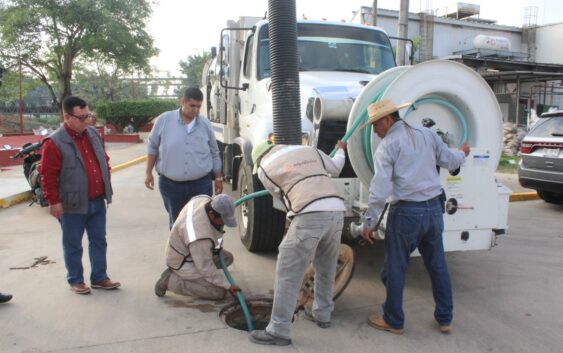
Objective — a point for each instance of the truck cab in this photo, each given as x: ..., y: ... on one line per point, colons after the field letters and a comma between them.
x: 335, y: 61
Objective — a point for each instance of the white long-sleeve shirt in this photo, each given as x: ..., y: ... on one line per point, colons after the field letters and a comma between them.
x: 333, y: 166
x: 405, y: 168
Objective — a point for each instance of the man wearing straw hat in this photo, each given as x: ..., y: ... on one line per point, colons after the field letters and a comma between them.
x: 405, y: 168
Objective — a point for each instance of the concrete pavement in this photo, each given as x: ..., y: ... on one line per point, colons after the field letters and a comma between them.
x: 506, y: 299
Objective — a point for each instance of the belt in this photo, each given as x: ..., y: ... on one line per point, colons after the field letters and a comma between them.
x: 419, y: 202
x: 185, y: 181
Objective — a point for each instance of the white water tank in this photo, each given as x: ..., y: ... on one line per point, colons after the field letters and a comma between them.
x: 482, y: 41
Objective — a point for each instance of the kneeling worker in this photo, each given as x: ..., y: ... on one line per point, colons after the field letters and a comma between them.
x: 192, y: 251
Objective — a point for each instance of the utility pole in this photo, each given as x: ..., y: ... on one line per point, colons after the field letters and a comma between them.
x: 402, y: 31
x: 21, y: 100
x: 374, y: 13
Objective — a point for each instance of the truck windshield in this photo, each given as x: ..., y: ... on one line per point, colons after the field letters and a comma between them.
x: 323, y: 47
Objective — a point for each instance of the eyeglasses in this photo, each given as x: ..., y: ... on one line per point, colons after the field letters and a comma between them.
x: 82, y: 117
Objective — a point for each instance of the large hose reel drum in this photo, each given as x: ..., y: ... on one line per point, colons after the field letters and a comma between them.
x: 455, y: 97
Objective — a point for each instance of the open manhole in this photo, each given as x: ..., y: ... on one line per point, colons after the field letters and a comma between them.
x: 260, y: 308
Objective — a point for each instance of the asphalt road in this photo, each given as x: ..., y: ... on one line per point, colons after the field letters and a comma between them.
x: 507, y: 299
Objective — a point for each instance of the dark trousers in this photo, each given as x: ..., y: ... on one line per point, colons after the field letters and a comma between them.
x: 176, y: 194
x: 413, y: 225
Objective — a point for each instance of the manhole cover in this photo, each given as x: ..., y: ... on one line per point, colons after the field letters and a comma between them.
x: 260, y: 310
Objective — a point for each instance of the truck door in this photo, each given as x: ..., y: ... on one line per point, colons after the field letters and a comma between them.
x: 246, y: 102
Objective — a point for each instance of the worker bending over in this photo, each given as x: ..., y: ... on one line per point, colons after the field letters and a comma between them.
x: 299, y: 176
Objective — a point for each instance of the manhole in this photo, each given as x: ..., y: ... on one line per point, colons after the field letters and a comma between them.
x: 260, y: 310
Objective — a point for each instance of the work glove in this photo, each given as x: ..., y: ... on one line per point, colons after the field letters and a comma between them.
x: 233, y: 290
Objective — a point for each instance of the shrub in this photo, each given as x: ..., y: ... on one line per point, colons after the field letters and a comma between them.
x: 137, y: 112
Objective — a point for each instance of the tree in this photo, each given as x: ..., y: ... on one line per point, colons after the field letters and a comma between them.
x: 192, y: 68
x: 106, y: 84
x: 49, y: 36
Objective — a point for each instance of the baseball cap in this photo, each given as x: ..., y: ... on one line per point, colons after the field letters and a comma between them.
x: 225, y: 206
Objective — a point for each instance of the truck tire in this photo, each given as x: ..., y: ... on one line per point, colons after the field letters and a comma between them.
x: 261, y: 227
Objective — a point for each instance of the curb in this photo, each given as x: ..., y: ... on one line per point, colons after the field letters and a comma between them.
x: 122, y: 166
x: 523, y: 196
x: 27, y: 195
x: 15, y: 199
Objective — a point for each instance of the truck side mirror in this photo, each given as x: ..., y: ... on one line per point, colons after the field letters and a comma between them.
x: 213, y: 52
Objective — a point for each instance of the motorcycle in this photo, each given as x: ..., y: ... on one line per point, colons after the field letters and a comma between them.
x: 31, y: 154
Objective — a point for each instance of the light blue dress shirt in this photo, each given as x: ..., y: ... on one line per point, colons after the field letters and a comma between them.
x: 405, y: 168
x: 183, y: 155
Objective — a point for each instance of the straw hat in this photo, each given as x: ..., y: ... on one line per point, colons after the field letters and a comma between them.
x: 383, y: 108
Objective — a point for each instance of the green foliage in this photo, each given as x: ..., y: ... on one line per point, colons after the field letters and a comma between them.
x: 508, y: 164
x: 137, y: 112
x: 9, y: 90
x: 192, y: 68
x: 104, y: 84
x: 48, y: 36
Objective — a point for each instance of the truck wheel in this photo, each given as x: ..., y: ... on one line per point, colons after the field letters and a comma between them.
x: 261, y: 227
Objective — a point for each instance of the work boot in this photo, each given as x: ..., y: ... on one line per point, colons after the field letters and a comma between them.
x: 308, y: 315
x: 445, y: 328
x: 162, y: 284
x: 263, y: 337
x: 378, y: 322
x: 106, y: 284
x: 80, y: 288
x: 4, y: 298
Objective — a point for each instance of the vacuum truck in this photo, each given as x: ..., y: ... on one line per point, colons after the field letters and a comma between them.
x: 344, y: 67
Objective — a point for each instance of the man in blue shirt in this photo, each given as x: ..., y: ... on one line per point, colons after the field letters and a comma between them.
x: 183, y: 149
x: 405, y: 168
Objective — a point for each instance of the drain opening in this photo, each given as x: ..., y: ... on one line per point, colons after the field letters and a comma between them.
x: 260, y: 310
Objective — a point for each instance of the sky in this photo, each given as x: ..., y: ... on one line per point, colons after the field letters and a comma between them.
x: 182, y: 28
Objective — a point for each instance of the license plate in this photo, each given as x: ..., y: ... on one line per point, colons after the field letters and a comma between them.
x: 551, y: 152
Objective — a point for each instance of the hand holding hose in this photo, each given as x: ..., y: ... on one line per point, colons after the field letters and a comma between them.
x: 341, y: 144
x: 233, y: 290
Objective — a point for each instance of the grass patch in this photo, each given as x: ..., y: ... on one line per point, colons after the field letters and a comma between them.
x: 508, y: 164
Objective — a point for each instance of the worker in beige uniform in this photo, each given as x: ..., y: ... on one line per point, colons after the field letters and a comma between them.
x: 192, y: 252
x: 300, y: 177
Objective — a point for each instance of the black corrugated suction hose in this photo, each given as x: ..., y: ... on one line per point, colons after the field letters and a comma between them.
x: 284, y: 72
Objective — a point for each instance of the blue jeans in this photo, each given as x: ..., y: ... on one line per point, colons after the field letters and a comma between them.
x: 73, y: 226
x: 176, y: 194
x: 412, y: 225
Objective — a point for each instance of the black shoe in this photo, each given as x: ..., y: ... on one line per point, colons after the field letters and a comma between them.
x: 263, y: 337
x: 4, y: 298
x: 308, y: 315
x: 162, y: 284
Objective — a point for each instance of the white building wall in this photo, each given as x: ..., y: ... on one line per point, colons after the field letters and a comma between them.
x: 548, y: 43
x: 450, y: 35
